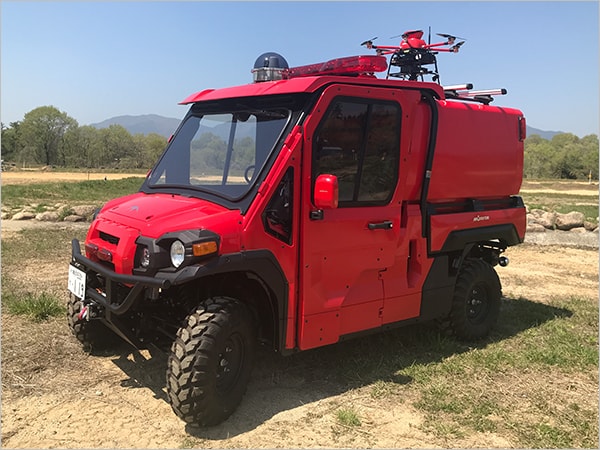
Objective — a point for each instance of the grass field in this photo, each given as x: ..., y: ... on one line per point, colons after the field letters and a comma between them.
x: 532, y: 384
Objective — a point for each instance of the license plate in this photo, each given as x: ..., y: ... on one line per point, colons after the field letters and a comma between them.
x: 76, y: 282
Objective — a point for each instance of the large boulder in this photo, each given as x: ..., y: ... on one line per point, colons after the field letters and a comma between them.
x: 84, y: 210
x: 543, y: 218
x: 569, y: 221
x: 24, y: 215
x: 47, y: 216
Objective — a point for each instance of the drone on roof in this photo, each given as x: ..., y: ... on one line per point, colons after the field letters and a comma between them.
x: 413, y: 54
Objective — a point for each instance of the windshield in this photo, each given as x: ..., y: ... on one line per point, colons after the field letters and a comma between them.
x: 222, y: 153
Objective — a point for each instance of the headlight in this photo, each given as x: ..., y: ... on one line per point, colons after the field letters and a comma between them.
x: 177, y: 253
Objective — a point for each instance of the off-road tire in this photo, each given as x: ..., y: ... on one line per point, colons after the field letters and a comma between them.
x: 476, y: 301
x: 93, y: 334
x: 210, y: 362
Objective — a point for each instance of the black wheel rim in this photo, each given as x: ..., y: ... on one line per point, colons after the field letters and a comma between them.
x: 230, y: 363
x: 477, y: 304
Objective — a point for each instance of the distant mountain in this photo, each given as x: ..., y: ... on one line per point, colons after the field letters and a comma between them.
x: 144, y: 124
x: 166, y: 126
x: 541, y: 133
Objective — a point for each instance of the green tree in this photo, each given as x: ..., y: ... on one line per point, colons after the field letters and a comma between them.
x: 563, y: 156
x: 154, y: 146
x: 537, y: 158
x: 42, y: 135
x: 116, y: 144
x: 81, y: 147
x: 590, y: 157
x: 11, y: 145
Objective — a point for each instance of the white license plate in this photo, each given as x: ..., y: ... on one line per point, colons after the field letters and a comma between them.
x: 76, y: 283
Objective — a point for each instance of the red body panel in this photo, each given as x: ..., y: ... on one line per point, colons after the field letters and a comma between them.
x: 157, y: 214
x: 478, y: 153
x: 255, y: 237
x: 352, y: 278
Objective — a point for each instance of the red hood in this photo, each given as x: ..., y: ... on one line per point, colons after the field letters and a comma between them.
x: 156, y: 214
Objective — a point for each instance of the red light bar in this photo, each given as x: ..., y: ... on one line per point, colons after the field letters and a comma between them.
x: 351, y: 65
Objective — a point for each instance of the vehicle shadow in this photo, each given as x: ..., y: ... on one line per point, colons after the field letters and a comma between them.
x: 281, y: 384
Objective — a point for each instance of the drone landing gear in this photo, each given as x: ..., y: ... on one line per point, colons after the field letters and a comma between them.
x: 411, y: 63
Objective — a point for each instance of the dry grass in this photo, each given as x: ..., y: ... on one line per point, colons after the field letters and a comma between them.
x: 533, y: 384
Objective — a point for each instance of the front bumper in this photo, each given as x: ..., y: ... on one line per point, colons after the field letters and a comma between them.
x: 109, y: 299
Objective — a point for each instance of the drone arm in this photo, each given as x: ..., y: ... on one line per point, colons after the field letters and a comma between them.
x: 439, y: 44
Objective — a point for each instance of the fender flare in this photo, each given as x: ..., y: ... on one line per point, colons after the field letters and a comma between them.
x: 261, y: 263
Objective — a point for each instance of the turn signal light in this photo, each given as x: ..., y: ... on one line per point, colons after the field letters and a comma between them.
x: 204, y: 248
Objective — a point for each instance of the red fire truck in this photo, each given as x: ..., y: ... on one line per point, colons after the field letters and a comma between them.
x: 313, y: 205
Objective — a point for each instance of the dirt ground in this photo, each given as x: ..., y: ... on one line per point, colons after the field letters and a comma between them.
x: 119, y: 401
x: 40, y: 176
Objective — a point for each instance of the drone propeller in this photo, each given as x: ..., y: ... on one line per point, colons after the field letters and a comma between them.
x: 406, y: 33
x: 450, y: 37
x: 455, y: 48
x: 369, y: 41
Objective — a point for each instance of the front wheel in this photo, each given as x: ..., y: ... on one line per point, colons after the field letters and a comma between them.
x: 210, y: 362
x: 476, y: 301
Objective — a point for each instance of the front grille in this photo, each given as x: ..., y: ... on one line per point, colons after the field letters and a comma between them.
x: 109, y: 238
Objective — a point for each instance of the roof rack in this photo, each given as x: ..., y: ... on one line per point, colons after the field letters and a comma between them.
x: 464, y: 92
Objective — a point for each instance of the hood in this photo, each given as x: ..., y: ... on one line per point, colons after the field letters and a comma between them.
x: 156, y: 214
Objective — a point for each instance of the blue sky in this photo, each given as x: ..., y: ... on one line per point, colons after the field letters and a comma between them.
x: 96, y: 60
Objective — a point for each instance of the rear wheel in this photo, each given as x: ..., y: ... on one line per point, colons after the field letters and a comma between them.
x: 476, y: 302
x: 210, y: 362
x: 92, y: 334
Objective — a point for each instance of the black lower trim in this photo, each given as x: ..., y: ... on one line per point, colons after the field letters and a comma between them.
x: 460, y: 239
x: 438, y: 289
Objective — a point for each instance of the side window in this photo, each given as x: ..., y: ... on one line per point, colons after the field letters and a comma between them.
x: 277, y: 218
x: 358, y: 141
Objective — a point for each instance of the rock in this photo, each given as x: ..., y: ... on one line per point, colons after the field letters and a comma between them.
x: 544, y: 218
x: 48, y: 216
x: 84, y: 210
x: 74, y: 218
x: 578, y: 230
x: 589, y: 226
x: 536, y: 212
x: 5, y: 215
x: 24, y: 215
x: 569, y: 221
x: 535, y: 228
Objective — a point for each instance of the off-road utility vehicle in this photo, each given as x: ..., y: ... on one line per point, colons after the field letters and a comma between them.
x: 313, y: 205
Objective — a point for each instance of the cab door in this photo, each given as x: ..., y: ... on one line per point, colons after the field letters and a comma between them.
x: 354, y: 134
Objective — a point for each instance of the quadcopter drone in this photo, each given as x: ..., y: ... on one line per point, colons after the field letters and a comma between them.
x: 413, y: 54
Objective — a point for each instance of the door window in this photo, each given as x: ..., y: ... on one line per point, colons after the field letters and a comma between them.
x: 358, y: 141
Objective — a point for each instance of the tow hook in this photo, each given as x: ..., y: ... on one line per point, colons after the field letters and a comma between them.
x: 84, y: 314
x: 503, y: 261
x: 88, y: 312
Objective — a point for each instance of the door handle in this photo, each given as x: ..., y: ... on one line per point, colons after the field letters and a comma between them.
x: 385, y: 225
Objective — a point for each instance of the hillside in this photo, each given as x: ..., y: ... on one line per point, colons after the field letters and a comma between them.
x: 144, y: 124
x: 542, y: 133
x: 165, y: 126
